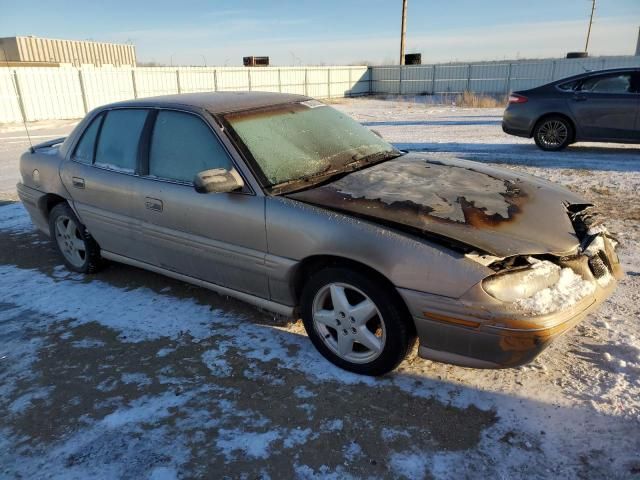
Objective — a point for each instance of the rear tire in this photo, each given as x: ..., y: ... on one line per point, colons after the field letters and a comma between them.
x: 78, y: 249
x: 553, y: 133
x: 355, y: 322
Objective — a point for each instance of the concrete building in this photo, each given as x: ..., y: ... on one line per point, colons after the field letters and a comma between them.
x: 35, y: 51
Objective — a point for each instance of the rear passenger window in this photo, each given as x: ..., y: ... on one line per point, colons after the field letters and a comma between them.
x: 182, y: 145
x: 86, y: 146
x: 119, y: 139
x: 620, y: 83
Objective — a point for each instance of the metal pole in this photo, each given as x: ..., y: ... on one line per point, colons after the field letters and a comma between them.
x: 83, y: 92
x: 638, y: 45
x: 593, y: 8
x: 279, y: 81
x: 178, y: 80
x: 403, y: 30
x: 23, y: 111
x: 133, y: 82
x: 215, y: 80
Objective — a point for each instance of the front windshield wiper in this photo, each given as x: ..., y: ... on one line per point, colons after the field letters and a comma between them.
x: 329, y: 173
x: 359, y: 159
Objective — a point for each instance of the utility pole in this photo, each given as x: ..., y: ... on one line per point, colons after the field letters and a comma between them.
x: 638, y: 45
x: 593, y: 8
x: 403, y: 30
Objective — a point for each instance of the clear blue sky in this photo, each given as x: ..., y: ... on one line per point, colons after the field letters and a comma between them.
x: 331, y: 31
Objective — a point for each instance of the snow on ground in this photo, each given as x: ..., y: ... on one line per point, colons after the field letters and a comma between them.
x: 128, y: 374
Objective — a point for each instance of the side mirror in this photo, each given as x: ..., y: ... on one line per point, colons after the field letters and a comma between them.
x: 376, y: 132
x: 218, y: 180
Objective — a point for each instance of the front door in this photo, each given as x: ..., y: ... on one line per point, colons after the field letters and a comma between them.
x: 606, y: 106
x: 216, y: 237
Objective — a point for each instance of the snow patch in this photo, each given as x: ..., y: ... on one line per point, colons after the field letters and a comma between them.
x: 566, y: 292
x: 15, y: 219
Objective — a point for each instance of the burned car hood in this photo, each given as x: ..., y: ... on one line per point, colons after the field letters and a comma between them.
x: 493, y: 210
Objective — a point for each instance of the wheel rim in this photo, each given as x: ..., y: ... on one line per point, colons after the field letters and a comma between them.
x: 349, y: 323
x: 70, y: 241
x: 553, y: 133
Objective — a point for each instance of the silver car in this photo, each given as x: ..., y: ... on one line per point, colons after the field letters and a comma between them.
x: 283, y: 202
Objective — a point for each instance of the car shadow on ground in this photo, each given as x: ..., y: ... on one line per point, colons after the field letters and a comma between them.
x: 433, y: 123
x: 575, y: 157
x: 94, y: 398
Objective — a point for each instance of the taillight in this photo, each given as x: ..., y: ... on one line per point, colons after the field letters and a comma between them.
x: 515, y: 98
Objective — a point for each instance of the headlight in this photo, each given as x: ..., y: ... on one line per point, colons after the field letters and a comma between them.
x: 509, y: 287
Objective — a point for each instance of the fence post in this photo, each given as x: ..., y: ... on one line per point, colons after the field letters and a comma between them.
x: 509, y: 78
x: 370, y: 72
x: 306, y: 82
x: 469, y: 78
x: 328, y: 83
x: 400, y: 80
x: 16, y: 84
x: 433, y: 80
x: 215, y: 80
x: 350, y: 90
x: 249, y: 77
x: 83, y: 92
x: 178, y: 80
x: 133, y: 82
x: 279, y: 82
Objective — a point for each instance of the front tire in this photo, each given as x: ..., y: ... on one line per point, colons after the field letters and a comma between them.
x: 355, y: 322
x: 77, y: 247
x: 553, y: 133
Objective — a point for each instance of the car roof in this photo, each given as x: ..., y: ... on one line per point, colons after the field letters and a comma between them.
x: 215, y: 102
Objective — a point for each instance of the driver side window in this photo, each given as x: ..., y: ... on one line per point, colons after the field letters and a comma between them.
x: 183, y: 145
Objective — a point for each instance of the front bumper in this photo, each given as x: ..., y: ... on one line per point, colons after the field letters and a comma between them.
x: 481, y: 332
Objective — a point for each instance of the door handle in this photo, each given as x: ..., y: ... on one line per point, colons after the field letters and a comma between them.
x: 579, y: 98
x: 153, y: 204
x: 77, y: 182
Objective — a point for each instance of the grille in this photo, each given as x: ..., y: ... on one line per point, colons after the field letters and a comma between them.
x: 598, y: 265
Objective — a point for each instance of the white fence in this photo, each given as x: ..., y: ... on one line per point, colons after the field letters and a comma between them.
x: 488, y: 77
x: 69, y: 92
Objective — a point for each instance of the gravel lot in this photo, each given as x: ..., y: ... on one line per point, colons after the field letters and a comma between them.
x: 128, y: 374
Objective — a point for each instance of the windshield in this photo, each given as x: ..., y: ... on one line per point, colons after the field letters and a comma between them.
x: 301, y: 140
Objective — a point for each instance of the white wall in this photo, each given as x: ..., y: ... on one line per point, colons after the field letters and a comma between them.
x: 69, y: 92
x: 487, y: 77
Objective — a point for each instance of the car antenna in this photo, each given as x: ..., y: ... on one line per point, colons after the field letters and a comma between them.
x: 15, y: 89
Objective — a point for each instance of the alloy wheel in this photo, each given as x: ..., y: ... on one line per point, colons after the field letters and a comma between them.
x: 553, y: 133
x: 70, y: 241
x: 349, y: 323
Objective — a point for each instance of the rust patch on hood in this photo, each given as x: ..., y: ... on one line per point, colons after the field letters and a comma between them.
x: 493, y: 210
x: 446, y: 193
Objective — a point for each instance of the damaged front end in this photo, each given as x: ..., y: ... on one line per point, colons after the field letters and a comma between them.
x: 512, y: 315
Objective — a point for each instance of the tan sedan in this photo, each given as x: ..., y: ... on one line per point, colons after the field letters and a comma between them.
x: 288, y: 204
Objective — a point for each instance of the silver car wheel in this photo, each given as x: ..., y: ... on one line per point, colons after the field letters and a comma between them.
x: 349, y: 323
x: 70, y: 241
x: 553, y: 133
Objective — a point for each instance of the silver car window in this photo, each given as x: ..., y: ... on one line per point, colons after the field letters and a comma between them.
x: 182, y: 145
x: 86, y: 145
x: 119, y: 138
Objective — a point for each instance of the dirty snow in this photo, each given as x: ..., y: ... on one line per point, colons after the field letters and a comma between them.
x: 169, y: 382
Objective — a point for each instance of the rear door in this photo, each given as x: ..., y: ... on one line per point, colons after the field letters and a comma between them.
x: 606, y: 106
x: 102, y: 178
x: 216, y: 237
